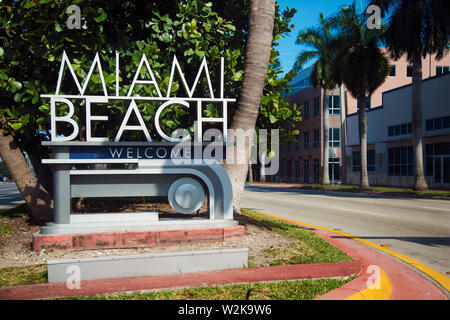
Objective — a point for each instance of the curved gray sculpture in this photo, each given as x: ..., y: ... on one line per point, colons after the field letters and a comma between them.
x: 185, y: 184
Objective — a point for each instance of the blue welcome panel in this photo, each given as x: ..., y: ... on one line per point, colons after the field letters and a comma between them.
x: 189, y: 151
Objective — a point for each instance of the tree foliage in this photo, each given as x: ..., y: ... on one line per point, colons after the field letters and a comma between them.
x: 33, y: 35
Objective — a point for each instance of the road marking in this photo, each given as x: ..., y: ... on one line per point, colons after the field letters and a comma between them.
x: 434, y: 208
x: 436, y: 275
x: 360, y: 211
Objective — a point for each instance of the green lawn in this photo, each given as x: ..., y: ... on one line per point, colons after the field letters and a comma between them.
x: 15, y: 276
x: 307, y: 247
x: 285, y: 290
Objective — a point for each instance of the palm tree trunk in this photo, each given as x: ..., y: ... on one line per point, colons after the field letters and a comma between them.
x: 420, y: 182
x: 262, y: 174
x: 257, y: 57
x: 362, y: 114
x: 326, y: 138
x: 36, y: 197
x: 343, y: 136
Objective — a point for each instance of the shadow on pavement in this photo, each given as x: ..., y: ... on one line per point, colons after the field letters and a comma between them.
x: 428, y: 241
x: 339, y: 194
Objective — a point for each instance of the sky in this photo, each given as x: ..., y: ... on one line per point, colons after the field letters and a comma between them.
x: 307, y: 16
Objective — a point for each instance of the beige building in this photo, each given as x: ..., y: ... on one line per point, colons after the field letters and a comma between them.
x: 301, y: 161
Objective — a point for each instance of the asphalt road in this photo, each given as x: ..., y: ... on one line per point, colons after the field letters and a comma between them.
x: 9, y: 195
x: 418, y: 228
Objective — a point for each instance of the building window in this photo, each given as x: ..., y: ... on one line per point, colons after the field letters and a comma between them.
x: 392, y: 71
x: 438, y: 123
x: 316, y: 170
x: 440, y: 70
x: 401, y: 161
x: 370, y: 160
x: 297, y: 171
x: 334, y: 135
x: 306, y: 110
x: 297, y: 143
x: 306, y: 171
x: 334, y: 104
x: 437, y: 162
x: 316, y: 103
x: 367, y: 103
x: 400, y: 129
x: 306, y: 140
x: 316, y: 138
x: 409, y: 71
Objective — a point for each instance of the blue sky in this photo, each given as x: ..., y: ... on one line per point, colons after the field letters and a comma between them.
x: 307, y: 15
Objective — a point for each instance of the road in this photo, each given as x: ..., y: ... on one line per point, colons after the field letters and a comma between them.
x: 418, y: 228
x: 9, y: 195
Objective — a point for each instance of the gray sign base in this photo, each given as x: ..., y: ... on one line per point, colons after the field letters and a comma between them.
x: 129, y: 222
x: 146, y: 265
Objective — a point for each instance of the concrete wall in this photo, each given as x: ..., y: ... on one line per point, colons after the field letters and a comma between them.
x: 396, y: 110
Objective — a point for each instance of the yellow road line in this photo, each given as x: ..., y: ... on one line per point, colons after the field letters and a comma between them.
x: 442, y: 279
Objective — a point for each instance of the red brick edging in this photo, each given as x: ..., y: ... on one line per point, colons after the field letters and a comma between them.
x: 117, y: 240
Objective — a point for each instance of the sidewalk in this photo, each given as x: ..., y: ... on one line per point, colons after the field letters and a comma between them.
x: 386, y: 278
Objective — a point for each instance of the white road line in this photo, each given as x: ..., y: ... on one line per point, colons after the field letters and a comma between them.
x: 434, y: 208
x: 360, y: 211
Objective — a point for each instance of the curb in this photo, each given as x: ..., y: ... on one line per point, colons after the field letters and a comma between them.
x: 390, y: 194
x: 394, y: 280
x: 196, y: 279
x: 380, y: 277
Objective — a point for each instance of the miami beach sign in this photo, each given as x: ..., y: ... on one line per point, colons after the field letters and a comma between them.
x: 133, y: 109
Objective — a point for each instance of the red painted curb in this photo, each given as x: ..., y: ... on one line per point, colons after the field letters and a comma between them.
x: 103, y: 286
x: 407, y: 284
x: 115, y: 240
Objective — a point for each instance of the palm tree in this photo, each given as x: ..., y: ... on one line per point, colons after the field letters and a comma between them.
x: 257, y: 57
x: 417, y: 28
x: 319, y: 39
x: 362, y: 67
x: 39, y: 201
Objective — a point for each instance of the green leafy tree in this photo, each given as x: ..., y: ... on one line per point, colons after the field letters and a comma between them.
x: 33, y: 35
x: 417, y: 28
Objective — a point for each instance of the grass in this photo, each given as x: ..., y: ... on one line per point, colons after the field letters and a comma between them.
x: 16, y: 276
x: 285, y: 290
x: 15, y: 212
x: 307, y: 247
x: 5, y: 228
x: 380, y: 190
x: 5, y: 232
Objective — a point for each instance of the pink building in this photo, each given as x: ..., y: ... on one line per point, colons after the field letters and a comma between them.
x: 301, y: 161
